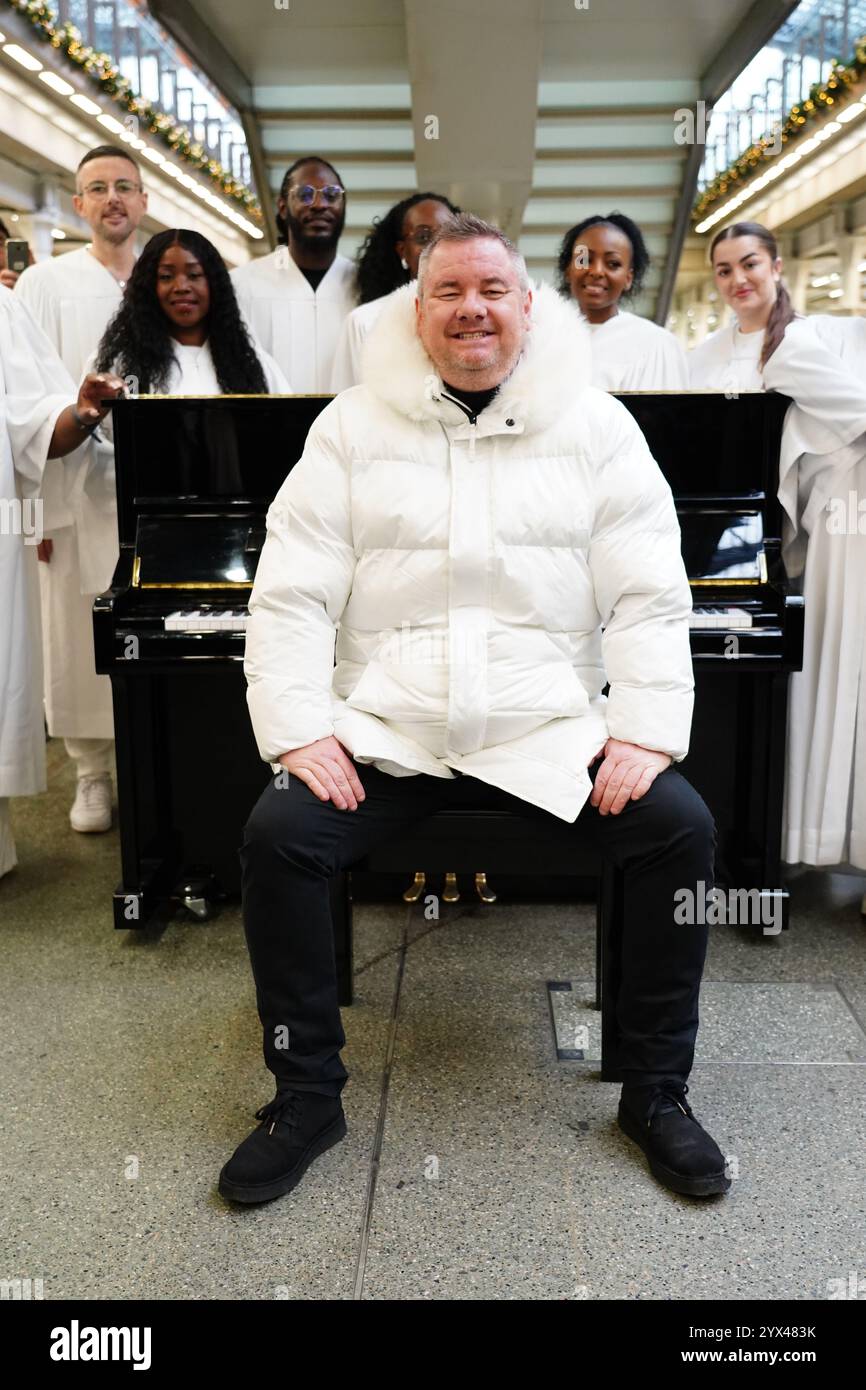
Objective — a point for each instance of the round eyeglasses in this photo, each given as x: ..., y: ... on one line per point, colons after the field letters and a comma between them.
x: 422, y: 236
x: 306, y: 194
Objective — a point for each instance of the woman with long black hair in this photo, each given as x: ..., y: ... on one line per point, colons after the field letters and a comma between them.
x: 769, y: 347
x: 179, y: 330
x: 387, y: 260
x: 602, y: 265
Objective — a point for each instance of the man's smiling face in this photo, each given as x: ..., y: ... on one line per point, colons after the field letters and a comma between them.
x: 473, y: 314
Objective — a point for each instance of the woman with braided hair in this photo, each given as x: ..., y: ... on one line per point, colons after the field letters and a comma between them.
x: 387, y: 260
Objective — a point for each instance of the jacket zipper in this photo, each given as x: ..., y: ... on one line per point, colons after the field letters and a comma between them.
x: 473, y: 420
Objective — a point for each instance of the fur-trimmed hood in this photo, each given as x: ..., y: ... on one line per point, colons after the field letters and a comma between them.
x: 555, y: 365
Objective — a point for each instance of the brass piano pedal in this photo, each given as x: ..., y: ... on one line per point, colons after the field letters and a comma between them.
x: 416, y: 887
x: 450, y: 893
x: 483, y: 889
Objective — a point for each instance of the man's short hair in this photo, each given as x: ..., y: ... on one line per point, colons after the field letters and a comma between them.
x: 107, y: 152
x: 464, y: 227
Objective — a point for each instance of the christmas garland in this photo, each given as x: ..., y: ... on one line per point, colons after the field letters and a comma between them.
x: 106, y: 75
x: 822, y: 96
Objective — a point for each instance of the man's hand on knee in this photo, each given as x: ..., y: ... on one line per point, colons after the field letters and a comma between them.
x: 326, y: 768
x: 626, y: 774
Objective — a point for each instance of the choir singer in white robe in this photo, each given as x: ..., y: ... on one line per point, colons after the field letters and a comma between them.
x: 179, y: 331
x: 296, y: 299
x: 387, y: 260
x: 72, y: 297
x: 822, y: 467
x: 37, y: 422
x: 603, y: 261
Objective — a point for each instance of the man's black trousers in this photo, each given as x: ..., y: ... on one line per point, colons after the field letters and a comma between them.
x: 294, y: 842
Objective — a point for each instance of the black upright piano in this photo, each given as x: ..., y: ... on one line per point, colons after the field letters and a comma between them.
x: 194, y: 481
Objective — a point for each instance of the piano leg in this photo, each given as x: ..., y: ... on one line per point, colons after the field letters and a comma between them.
x: 149, y: 851
x: 777, y: 744
x: 755, y: 818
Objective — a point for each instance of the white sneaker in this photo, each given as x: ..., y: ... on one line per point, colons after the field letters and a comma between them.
x: 91, y: 809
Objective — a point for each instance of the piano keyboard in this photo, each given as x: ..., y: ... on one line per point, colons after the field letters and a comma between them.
x: 236, y: 620
x: 720, y: 617
x: 212, y: 620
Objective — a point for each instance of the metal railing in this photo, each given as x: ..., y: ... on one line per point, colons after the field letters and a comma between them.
x: 800, y: 54
x: 157, y: 70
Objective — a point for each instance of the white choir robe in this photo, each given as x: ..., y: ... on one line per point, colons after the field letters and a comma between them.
x: 845, y: 335
x: 822, y: 464
x: 34, y: 389
x: 629, y: 353
x: 73, y: 297
x: 297, y: 325
x: 347, y: 369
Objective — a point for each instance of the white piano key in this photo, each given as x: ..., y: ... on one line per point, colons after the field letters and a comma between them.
x: 739, y: 617
x: 206, y: 620
x: 726, y: 618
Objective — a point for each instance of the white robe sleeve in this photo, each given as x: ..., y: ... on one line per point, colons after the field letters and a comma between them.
x: 823, y: 433
x: 831, y: 399
x: 104, y: 434
x: 302, y: 585
x: 641, y: 589
x: 32, y: 291
x: 845, y: 336
x: 37, y: 388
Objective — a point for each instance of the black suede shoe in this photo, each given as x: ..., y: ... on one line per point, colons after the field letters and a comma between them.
x: 681, y: 1154
x: 295, y: 1128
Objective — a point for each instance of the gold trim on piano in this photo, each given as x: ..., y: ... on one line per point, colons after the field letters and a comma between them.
x: 136, y: 571
x: 695, y: 582
x: 200, y: 584
x: 762, y: 575
x: 702, y: 391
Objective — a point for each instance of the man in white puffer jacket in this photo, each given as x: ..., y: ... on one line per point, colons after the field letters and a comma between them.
x: 487, y: 542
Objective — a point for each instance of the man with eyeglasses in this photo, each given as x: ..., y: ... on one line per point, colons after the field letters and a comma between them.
x: 72, y: 297
x: 296, y: 299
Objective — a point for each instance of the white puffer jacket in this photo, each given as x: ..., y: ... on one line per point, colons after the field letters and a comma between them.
x: 467, y: 570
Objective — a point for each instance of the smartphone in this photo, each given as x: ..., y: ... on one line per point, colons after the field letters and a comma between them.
x: 17, y: 254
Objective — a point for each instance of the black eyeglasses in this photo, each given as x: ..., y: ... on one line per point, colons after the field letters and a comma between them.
x: 306, y: 194
x: 422, y: 236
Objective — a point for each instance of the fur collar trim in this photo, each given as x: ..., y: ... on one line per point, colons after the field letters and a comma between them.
x: 555, y: 365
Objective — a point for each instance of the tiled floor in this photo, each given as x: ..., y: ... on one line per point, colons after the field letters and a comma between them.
x: 477, y: 1164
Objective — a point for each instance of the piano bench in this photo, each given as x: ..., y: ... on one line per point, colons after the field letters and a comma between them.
x: 463, y: 841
